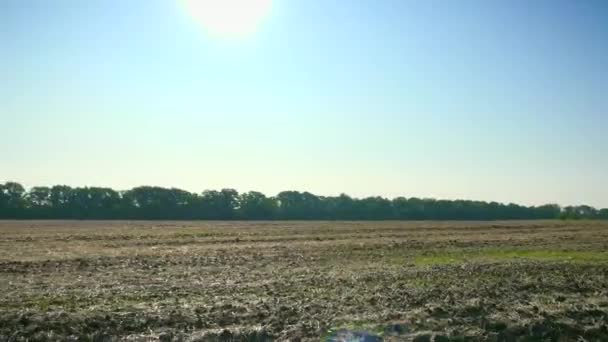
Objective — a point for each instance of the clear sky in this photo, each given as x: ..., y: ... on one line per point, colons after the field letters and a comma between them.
x: 491, y: 100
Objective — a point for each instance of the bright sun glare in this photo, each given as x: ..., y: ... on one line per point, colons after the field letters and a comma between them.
x: 229, y: 18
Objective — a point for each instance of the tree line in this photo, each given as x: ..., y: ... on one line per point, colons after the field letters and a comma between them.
x: 157, y: 203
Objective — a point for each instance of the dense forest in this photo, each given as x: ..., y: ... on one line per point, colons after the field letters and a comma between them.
x: 156, y: 203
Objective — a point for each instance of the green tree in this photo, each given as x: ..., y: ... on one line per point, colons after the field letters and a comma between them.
x: 255, y: 205
x: 12, y: 200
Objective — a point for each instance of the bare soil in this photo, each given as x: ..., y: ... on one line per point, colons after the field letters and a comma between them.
x: 335, y: 281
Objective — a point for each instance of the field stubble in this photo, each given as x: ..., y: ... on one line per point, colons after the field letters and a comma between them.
x: 422, y: 281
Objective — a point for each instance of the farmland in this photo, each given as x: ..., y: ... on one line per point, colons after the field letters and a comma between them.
x: 297, y: 280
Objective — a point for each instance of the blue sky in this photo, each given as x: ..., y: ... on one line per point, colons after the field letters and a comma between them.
x: 490, y: 100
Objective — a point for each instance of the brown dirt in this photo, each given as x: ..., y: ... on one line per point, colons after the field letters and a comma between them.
x: 410, y: 281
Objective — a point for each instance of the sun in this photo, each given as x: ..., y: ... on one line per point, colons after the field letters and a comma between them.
x: 229, y: 18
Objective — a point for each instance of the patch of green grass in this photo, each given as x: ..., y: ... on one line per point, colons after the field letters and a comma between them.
x: 420, y: 283
x: 506, y: 254
x: 44, y: 303
x: 440, y: 259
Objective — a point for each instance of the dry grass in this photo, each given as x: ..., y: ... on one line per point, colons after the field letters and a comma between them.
x: 289, y: 280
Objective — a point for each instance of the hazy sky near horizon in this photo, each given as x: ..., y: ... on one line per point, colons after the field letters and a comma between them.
x: 490, y: 100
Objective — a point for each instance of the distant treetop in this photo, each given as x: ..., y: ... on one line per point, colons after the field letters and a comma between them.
x: 156, y: 203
